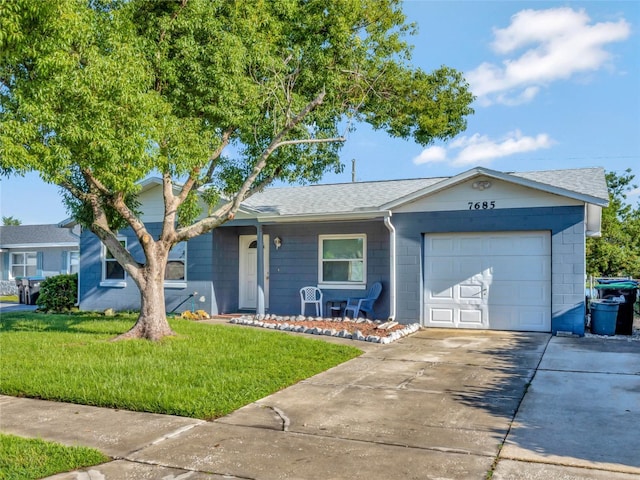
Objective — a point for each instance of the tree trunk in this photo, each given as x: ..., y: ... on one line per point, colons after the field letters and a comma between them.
x: 152, y: 323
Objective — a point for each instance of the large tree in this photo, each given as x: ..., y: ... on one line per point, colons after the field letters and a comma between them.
x: 219, y: 97
x: 617, y: 252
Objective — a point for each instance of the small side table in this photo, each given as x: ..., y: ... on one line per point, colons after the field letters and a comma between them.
x: 335, y: 307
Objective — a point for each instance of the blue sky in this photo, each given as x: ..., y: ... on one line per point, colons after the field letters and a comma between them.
x: 557, y: 86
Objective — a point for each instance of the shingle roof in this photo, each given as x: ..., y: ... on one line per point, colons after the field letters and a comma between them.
x: 585, y: 181
x: 371, y: 196
x: 37, y: 235
x: 334, y: 198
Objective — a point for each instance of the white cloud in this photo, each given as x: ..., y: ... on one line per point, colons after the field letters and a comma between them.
x: 482, y: 150
x: 552, y: 45
x: 633, y: 195
x: 431, y: 155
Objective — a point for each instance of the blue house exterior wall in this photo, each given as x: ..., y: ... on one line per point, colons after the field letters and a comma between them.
x: 566, y: 225
x: 213, y: 269
x: 95, y: 297
x: 295, y: 264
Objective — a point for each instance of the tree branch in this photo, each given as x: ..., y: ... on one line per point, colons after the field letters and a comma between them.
x: 227, y: 211
x: 226, y: 137
x: 117, y: 202
x: 310, y: 140
x: 275, y: 143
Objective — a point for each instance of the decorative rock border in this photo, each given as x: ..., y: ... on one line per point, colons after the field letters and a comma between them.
x: 288, y: 324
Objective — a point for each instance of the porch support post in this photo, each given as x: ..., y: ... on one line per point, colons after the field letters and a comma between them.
x: 260, y: 271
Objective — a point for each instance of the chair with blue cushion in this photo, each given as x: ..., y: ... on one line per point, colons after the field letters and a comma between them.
x: 313, y: 296
x: 365, y: 305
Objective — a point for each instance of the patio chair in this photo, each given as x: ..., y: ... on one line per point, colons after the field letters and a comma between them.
x: 365, y: 305
x: 313, y: 296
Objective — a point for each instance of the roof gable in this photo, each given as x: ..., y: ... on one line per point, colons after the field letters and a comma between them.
x: 586, y: 185
x: 15, y: 236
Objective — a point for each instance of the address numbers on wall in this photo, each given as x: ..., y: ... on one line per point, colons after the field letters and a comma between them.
x: 486, y: 205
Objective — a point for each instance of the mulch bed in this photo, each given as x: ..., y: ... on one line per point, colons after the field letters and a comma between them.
x: 375, y: 331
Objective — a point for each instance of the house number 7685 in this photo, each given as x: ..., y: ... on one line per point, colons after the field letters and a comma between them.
x: 482, y: 205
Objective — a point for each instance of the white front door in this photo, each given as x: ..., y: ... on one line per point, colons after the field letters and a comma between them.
x: 498, y: 281
x: 248, y: 287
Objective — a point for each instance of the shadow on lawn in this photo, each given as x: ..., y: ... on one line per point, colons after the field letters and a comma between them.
x: 75, y: 322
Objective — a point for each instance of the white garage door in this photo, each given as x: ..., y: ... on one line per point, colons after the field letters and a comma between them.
x: 497, y: 281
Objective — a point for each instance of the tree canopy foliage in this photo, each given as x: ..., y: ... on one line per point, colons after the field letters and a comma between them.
x: 218, y: 97
x: 617, y: 252
x: 11, y: 221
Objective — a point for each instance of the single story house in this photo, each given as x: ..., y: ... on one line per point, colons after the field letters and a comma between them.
x: 482, y: 249
x: 37, y: 251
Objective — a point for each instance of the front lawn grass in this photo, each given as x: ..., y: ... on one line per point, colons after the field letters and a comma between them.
x: 28, y: 458
x: 206, y: 371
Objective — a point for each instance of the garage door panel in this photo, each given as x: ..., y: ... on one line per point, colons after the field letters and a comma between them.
x: 443, y: 268
x: 520, y: 293
x: 469, y: 268
x: 528, y: 268
x: 470, y: 292
x: 441, y: 292
x: 521, y: 319
x: 471, y: 318
x: 441, y: 246
x: 472, y: 245
x: 442, y: 317
x: 497, y: 280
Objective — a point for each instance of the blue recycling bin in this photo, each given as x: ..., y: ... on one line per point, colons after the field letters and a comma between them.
x: 603, y: 317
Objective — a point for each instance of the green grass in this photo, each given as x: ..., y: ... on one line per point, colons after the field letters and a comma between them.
x: 206, y: 371
x: 26, y: 459
x: 9, y: 299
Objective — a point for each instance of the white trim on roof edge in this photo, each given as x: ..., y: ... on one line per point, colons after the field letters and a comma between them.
x: 324, y: 217
x: 42, y: 245
x: 481, y: 171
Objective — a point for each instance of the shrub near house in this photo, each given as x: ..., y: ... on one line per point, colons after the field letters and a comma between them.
x: 59, y: 293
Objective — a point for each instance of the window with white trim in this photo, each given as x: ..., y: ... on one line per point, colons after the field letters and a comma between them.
x: 112, y: 271
x: 24, y: 264
x: 177, y: 263
x: 342, y: 261
x: 73, y: 262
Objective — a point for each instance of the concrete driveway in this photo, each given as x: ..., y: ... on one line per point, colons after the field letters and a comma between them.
x: 441, y: 404
x: 16, y: 307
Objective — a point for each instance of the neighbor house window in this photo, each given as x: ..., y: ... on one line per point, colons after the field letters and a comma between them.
x: 74, y: 262
x: 24, y: 264
x: 177, y: 263
x: 342, y: 261
x: 112, y: 271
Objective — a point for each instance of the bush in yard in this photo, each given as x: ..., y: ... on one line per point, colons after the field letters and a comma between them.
x: 59, y: 293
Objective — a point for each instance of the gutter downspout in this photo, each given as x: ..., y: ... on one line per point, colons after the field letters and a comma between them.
x: 392, y: 265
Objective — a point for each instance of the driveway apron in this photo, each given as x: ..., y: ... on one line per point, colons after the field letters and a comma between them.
x: 436, y: 405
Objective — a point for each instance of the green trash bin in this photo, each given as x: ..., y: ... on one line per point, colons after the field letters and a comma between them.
x: 603, y: 317
x: 625, y: 292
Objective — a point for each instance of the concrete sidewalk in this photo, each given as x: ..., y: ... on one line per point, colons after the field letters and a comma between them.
x: 440, y: 404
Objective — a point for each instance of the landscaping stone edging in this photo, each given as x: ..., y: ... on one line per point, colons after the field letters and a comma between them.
x: 275, y: 322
